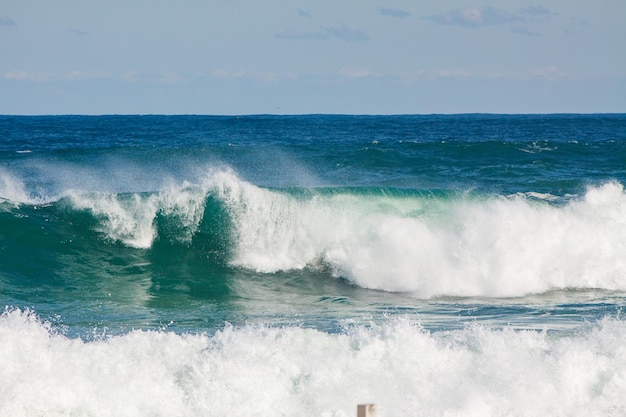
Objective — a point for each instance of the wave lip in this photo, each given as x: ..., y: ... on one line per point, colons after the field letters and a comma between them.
x: 132, y: 218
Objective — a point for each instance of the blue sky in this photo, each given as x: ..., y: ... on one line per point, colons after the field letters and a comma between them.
x: 305, y: 56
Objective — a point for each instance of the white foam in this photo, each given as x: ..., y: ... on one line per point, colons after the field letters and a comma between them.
x: 273, y: 231
x: 259, y: 371
x: 466, y: 247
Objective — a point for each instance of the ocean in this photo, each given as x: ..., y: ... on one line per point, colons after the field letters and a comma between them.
x: 433, y: 265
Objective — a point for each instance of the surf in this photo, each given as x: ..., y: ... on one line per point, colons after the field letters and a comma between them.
x: 424, y: 243
x: 398, y: 365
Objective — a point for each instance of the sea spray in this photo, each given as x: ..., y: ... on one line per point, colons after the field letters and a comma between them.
x: 12, y: 189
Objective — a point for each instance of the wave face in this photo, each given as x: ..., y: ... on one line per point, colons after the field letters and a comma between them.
x: 425, y: 243
x: 257, y: 370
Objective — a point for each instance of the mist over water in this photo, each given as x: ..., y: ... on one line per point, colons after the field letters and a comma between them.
x: 439, y: 265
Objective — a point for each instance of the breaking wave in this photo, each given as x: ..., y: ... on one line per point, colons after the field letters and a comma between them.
x: 259, y: 370
x: 425, y: 243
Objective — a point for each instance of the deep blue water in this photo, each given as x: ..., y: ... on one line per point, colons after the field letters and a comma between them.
x: 449, y: 230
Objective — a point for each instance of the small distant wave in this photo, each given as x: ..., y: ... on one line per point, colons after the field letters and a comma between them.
x: 540, y: 196
x: 538, y: 147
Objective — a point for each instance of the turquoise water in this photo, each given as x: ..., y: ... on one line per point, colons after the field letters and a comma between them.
x: 193, y: 265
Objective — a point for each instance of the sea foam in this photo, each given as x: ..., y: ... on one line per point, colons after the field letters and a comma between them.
x: 263, y: 371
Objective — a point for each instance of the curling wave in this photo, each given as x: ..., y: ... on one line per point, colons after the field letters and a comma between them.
x: 424, y: 243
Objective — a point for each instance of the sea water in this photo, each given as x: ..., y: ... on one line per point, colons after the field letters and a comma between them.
x: 463, y: 265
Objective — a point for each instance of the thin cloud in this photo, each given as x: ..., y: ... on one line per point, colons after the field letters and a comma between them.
x: 523, y: 31
x: 20, y: 75
x: 303, y: 13
x: 222, y: 73
x: 6, y: 21
x: 472, y: 18
x: 357, y: 73
x: 549, y: 72
x: 347, y: 34
x: 343, y: 33
x: 17, y: 75
x: 302, y: 35
x: 536, y: 14
x: 83, y: 75
x: 386, y: 11
x: 458, y: 73
x: 78, y: 32
x: 257, y: 75
x: 536, y: 11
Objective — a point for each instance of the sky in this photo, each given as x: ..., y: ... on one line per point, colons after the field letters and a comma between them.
x: 235, y: 57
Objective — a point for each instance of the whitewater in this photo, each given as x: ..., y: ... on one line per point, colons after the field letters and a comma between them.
x: 301, y: 265
x: 257, y: 370
x: 424, y: 244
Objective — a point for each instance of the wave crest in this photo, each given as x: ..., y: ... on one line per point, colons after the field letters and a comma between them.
x: 431, y: 246
x: 424, y: 243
